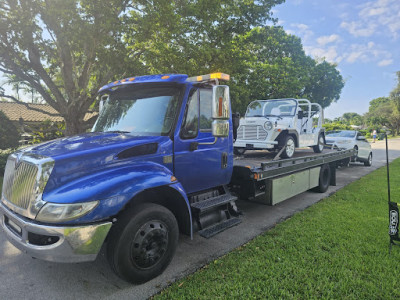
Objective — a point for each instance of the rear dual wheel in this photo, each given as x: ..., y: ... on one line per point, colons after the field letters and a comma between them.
x: 324, y: 179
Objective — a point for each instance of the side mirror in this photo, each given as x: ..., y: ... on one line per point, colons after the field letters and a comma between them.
x: 220, y: 128
x: 220, y: 111
x: 220, y: 105
x: 300, y: 114
x: 103, y: 99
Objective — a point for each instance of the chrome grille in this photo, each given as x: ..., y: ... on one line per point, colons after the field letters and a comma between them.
x: 19, y: 183
x: 251, y: 132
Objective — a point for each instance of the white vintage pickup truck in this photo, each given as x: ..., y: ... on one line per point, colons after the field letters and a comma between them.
x: 281, y: 124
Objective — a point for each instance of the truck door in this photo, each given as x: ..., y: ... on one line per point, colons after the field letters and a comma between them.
x: 201, y: 161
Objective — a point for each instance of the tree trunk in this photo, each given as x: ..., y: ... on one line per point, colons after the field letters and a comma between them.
x: 74, y: 124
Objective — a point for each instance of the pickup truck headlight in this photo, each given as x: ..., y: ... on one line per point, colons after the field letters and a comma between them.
x: 268, y: 125
x: 53, y: 213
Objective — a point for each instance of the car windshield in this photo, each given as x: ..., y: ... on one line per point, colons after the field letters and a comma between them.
x: 272, y: 108
x: 146, y: 111
x: 341, y: 133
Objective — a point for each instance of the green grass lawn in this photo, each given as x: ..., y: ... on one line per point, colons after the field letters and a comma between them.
x: 338, y: 248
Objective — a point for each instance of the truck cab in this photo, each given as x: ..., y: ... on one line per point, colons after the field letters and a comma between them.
x: 283, y: 124
x: 156, y: 163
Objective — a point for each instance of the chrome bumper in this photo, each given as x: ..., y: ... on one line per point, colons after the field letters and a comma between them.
x: 54, y: 243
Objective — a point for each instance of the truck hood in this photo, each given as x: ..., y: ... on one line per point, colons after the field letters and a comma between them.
x: 84, y: 154
x: 92, y: 143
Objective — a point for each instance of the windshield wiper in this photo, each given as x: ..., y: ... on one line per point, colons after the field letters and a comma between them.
x: 118, y: 131
x: 273, y: 116
x: 258, y: 116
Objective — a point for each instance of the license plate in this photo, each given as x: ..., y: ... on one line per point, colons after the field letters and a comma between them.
x: 14, y: 226
x: 249, y: 146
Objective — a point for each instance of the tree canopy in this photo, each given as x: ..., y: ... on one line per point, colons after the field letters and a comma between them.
x: 66, y: 49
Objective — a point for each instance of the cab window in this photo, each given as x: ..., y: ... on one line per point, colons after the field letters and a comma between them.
x: 205, y: 109
x: 190, y: 126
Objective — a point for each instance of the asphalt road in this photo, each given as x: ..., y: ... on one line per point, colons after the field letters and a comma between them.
x: 22, y: 277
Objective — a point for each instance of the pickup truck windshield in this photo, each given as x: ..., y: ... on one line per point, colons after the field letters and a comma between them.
x: 271, y: 108
x: 342, y: 133
x: 148, y: 111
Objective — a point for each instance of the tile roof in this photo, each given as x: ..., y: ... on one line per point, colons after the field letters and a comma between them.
x: 14, y: 111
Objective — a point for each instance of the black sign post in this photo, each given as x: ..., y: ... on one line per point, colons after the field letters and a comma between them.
x: 393, y: 208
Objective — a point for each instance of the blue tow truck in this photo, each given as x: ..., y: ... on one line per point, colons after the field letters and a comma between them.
x: 158, y: 162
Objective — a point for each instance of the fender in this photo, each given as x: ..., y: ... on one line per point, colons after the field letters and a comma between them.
x: 288, y: 131
x: 114, y: 188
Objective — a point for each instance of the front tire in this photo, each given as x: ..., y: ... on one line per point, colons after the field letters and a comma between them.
x: 321, y: 143
x: 142, y: 242
x: 368, y: 162
x: 355, y: 157
x: 289, y: 148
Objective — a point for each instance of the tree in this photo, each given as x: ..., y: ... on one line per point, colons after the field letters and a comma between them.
x: 383, y: 112
x: 67, y: 49
x: 352, y: 118
x: 198, y: 37
x: 64, y: 49
x: 9, y: 135
x: 395, y: 93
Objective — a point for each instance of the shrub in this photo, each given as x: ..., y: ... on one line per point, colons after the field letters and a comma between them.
x: 336, y: 126
x: 9, y: 135
x: 46, y: 131
x: 3, y: 159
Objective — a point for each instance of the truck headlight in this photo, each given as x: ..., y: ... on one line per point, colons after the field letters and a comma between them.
x: 268, y: 125
x: 53, y: 213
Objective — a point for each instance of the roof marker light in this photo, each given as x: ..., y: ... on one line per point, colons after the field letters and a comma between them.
x: 212, y: 76
x: 165, y: 77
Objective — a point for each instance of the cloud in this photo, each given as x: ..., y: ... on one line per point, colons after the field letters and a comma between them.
x: 330, y: 54
x: 385, y: 62
x: 374, y: 17
x: 302, y: 30
x: 327, y: 39
x: 369, y: 52
x: 358, y: 29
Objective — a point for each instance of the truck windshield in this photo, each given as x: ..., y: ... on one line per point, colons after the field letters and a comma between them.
x: 272, y: 108
x: 148, y: 111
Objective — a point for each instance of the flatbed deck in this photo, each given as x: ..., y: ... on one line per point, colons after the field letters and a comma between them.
x: 261, y: 162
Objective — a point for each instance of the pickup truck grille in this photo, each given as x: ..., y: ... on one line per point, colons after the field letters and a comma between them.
x: 19, y: 182
x: 251, y: 132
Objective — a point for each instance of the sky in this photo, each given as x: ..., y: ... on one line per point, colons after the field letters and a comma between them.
x: 361, y: 37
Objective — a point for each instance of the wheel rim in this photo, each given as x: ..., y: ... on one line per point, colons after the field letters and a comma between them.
x: 321, y: 143
x: 370, y: 159
x: 289, y: 147
x: 150, y: 244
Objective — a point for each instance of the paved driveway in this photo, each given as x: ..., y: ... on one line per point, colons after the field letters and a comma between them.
x: 22, y: 277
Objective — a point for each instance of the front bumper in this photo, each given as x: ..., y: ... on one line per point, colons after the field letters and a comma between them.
x: 54, y: 243
x: 251, y: 144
